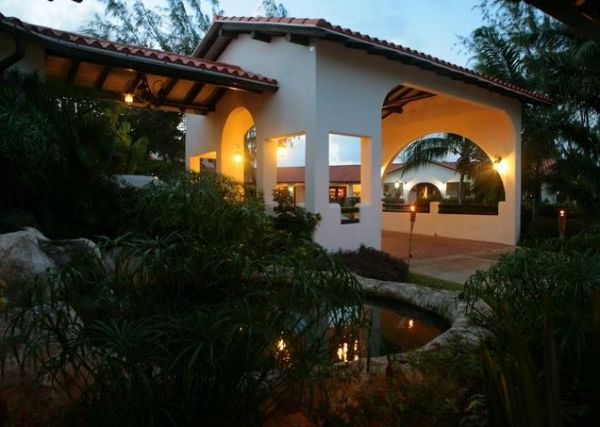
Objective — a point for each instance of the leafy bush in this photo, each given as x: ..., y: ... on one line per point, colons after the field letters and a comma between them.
x: 202, y: 313
x: 293, y: 219
x: 57, y: 148
x: 370, y: 262
x: 435, y: 388
x: 529, y: 289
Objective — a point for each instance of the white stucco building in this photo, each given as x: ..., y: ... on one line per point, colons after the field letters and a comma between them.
x: 287, y: 77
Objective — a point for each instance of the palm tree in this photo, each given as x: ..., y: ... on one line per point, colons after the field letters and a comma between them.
x: 440, y: 147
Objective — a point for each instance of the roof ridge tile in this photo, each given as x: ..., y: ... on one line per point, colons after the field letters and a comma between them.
x: 323, y: 23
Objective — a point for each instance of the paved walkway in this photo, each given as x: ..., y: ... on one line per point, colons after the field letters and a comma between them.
x: 454, y: 260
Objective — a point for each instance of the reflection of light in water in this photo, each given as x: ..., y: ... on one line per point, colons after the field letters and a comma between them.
x: 342, y: 351
x: 283, y: 353
x: 411, y: 323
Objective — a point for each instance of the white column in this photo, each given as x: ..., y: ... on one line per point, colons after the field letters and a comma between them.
x: 317, y: 171
x: 266, y: 166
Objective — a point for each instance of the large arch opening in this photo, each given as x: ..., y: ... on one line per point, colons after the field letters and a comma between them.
x: 447, y: 168
x: 478, y: 197
x: 237, y: 152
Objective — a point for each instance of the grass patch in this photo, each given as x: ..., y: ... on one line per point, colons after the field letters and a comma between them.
x: 433, y: 282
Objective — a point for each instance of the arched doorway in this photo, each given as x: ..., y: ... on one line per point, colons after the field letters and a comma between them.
x: 446, y: 167
x: 237, y: 151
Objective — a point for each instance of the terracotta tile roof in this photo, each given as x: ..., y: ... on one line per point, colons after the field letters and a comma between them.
x: 338, y: 173
x: 125, y: 49
x: 322, y: 24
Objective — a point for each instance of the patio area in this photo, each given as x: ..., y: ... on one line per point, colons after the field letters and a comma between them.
x: 454, y: 260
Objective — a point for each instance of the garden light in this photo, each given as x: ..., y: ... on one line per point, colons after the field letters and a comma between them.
x: 128, y: 98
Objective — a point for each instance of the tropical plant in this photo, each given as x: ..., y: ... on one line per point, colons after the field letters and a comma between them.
x: 530, y: 295
x: 291, y: 218
x: 58, y: 148
x: 203, y: 313
x: 471, y: 161
x: 560, y: 142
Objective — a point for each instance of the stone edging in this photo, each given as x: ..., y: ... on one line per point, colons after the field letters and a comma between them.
x: 445, y: 304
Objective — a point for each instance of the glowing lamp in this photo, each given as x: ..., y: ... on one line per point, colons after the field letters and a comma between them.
x: 128, y: 98
x: 500, y: 165
x: 562, y: 213
x: 237, y: 157
x: 397, y: 185
x: 413, y: 208
x: 281, y: 149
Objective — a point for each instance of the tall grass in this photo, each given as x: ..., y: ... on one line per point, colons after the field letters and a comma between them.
x: 544, y: 324
x: 178, y: 323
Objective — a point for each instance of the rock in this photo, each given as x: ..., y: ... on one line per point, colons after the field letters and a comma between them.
x: 21, y: 258
x: 28, y: 253
x: 445, y: 304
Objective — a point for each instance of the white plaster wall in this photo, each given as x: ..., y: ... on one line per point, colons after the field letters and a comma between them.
x: 290, y: 110
x: 432, y: 173
x: 328, y: 88
x: 34, y: 60
x: 490, y: 228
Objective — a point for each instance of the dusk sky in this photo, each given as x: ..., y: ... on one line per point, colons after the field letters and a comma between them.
x: 431, y: 26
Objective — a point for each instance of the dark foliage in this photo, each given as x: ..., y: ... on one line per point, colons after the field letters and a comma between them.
x: 202, y: 314
x: 527, y: 291
x: 369, y: 262
x: 58, y: 148
x: 293, y: 219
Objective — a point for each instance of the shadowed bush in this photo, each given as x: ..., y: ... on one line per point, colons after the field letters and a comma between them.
x: 181, y: 321
x: 542, y: 306
x: 369, y: 262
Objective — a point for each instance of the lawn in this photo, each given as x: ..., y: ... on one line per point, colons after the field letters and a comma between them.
x: 433, y: 282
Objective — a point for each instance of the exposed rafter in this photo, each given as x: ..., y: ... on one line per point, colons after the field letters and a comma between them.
x: 400, y: 97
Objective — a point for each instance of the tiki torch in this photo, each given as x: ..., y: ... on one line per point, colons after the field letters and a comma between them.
x: 562, y: 224
x: 413, y: 217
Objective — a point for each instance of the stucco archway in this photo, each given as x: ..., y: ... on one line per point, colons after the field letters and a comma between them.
x: 231, y: 158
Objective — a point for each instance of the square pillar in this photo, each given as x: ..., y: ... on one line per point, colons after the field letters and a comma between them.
x: 317, y: 171
x: 266, y: 166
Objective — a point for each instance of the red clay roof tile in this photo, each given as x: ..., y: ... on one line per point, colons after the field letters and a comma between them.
x: 171, y: 57
x: 324, y: 24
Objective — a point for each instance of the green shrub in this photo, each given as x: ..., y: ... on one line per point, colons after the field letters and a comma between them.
x: 178, y: 324
x: 435, y: 388
x: 293, y: 219
x: 529, y: 289
x: 375, y: 264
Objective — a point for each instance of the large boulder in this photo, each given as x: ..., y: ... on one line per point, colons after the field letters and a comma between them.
x: 28, y: 253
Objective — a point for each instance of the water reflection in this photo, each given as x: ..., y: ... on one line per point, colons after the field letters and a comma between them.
x: 394, y: 327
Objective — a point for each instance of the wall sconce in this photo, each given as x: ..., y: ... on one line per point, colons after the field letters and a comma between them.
x: 500, y: 165
x: 128, y: 98
x: 281, y: 148
x: 397, y: 185
x: 237, y: 156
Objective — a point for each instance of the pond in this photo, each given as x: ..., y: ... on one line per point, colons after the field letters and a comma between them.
x: 394, y: 327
